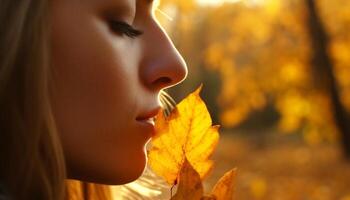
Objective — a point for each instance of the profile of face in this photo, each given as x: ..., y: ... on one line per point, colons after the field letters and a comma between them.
x: 106, y: 80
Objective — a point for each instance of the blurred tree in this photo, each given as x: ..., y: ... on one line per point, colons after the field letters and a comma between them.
x: 324, y: 78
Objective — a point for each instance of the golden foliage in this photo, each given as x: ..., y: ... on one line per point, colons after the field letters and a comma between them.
x: 181, y: 149
x: 187, y: 132
x: 191, y: 188
x: 224, y: 188
x: 261, y: 50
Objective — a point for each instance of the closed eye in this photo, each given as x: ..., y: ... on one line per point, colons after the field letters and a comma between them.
x: 124, y: 28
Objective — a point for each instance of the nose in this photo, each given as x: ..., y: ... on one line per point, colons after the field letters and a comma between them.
x: 162, y: 66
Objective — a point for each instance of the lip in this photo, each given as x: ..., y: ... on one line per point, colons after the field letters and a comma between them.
x: 146, y: 120
x: 149, y: 121
x: 148, y: 114
x: 147, y: 126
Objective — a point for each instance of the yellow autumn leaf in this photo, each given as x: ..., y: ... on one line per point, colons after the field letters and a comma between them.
x: 186, y: 132
x: 191, y: 187
x: 223, y: 190
x: 190, y: 184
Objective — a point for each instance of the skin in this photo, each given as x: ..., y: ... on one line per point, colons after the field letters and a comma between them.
x: 103, y: 82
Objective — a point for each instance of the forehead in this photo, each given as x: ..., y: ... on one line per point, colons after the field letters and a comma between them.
x: 149, y: 2
x: 115, y: 7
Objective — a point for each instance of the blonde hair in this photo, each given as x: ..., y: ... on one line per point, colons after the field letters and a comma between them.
x: 32, y: 162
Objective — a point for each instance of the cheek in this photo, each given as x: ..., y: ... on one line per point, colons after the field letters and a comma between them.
x: 89, y: 81
x: 93, y: 95
x: 90, y: 92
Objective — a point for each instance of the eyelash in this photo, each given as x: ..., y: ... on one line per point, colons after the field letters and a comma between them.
x: 124, y: 29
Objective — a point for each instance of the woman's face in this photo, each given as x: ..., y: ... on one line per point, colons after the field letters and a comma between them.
x: 106, y: 82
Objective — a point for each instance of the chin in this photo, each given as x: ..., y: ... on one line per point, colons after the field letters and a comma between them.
x: 113, y: 177
x: 129, y: 178
x: 134, y: 171
x: 111, y: 171
x: 127, y: 173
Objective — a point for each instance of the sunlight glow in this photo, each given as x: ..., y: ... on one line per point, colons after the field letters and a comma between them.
x: 216, y: 2
x: 134, y: 190
x: 219, y: 2
x: 164, y: 14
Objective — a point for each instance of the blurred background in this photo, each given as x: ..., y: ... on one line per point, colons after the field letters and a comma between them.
x: 276, y: 76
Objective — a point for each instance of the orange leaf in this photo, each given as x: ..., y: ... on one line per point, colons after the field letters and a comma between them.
x: 223, y: 190
x: 188, y: 131
x: 190, y: 185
